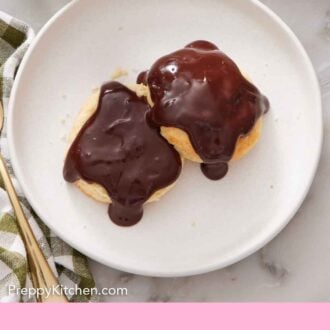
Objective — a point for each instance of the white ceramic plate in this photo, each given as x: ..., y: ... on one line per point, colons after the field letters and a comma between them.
x: 200, y: 225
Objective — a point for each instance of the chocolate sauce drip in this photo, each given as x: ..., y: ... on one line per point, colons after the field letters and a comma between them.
x: 142, y: 78
x: 201, y: 91
x: 118, y: 149
x: 214, y: 171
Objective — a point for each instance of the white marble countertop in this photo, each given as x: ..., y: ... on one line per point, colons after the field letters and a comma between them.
x: 295, y: 266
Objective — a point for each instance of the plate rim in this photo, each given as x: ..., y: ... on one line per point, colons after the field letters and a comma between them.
x: 266, y: 238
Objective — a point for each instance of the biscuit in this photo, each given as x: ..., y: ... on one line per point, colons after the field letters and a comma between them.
x: 94, y: 190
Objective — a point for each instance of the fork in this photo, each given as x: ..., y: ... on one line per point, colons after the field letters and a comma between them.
x: 41, y: 274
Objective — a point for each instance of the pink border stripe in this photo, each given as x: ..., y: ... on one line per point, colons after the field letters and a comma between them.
x: 166, y: 316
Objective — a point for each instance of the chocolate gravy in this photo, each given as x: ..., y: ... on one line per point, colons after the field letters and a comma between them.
x: 119, y: 149
x: 201, y: 91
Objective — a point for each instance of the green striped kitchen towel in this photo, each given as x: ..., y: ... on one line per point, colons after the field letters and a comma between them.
x: 69, y: 265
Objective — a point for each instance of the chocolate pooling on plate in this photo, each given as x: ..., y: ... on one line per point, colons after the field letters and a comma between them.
x: 202, y: 91
x: 119, y: 149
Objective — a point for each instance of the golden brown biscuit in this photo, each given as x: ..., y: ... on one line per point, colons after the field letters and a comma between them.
x: 181, y: 141
x: 94, y: 190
